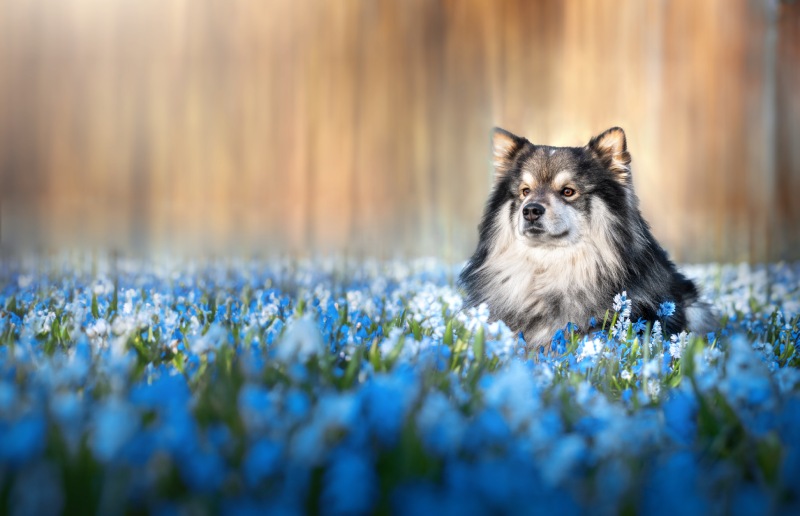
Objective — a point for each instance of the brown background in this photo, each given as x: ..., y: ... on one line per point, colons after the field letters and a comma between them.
x: 362, y: 126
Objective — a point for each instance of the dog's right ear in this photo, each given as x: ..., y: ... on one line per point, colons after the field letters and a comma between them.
x: 504, y: 147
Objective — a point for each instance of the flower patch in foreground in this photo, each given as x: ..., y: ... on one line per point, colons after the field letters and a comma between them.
x: 321, y: 387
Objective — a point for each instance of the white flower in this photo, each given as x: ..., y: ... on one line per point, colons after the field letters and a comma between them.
x: 653, y: 388
x: 213, y: 339
x: 652, y: 367
x: 590, y: 349
x: 622, y: 305
x: 656, y: 337
x: 677, y: 343
x: 301, y: 341
x: 98, y: 329
x: 24, y: 281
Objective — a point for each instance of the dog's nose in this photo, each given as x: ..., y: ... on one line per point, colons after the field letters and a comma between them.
x: 532, y: 211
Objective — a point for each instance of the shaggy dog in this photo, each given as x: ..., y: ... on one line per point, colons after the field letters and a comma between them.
x: 561, y: 234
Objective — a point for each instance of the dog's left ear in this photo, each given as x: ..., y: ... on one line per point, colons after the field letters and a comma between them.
x: 611, y: 149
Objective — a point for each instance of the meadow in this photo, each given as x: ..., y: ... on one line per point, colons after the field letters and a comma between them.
x: 343, y: 387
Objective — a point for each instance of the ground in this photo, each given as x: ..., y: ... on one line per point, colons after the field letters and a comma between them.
x: 327, y: 386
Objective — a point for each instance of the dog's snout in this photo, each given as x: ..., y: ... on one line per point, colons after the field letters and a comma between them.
x: 532, y: 211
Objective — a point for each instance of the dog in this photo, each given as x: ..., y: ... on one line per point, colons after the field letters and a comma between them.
x: 562, y: 234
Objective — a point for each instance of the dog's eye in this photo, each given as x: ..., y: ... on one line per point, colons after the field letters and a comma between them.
x: 525, y: 192
x: 567, y: 192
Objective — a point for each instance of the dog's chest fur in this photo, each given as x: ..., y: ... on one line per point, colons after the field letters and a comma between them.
x: 540, y: 296
x: 540, y: 290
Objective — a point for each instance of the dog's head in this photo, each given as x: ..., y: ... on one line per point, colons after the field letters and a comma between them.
x: 552, y: 194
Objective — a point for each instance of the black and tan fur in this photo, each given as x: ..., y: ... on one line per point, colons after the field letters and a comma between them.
x: 580, y: 241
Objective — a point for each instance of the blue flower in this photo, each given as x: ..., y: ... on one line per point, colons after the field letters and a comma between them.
x: 262, y: 460
x: 38, y: 490
x: 680, y: 415
x: 489, y: 429
x: 441, y: 425
x: 166, y: 392
x: 677, y: 473
x: 349, y: 485
x: 23, y: 440
x: 114, y: 423
x: 256, y: 408
x: 8, y: 397
x: 666, y: 309
x: 203, y: 471
x: 297, y: 403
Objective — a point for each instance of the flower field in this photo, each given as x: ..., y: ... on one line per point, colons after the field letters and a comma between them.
x: 290, y: 387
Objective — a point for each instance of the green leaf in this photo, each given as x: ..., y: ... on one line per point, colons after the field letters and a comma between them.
x: 768, y: 456
x: 611, y: 326
x: 479, y: 345
x: 448, y: 333
x: 112, y: 308
x: 212, y: 308
x: 416, y: 329
x: 375, y: 356
x: 706, y: 420
x: 395, y: 353
x: 95, y: 309
x: 11, y: 306
x: 686, y: 365
x: 353, y: 367
x: 178, y: 361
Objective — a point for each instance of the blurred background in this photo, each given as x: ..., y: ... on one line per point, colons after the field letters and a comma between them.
x: 362, y: 127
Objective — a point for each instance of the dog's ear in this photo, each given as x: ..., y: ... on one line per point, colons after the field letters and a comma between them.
x: 504, y: 147
x: 611, y: 149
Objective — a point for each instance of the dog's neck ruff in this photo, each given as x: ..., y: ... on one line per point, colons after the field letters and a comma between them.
x: 561, y: 284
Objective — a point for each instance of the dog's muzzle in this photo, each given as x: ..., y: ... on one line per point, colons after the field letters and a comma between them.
x: 532, y: 211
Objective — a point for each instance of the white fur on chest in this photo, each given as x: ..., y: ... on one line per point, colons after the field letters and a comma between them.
x: 520, y: 277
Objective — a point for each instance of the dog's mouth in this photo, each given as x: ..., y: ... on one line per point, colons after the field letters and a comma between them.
x: 536, y: 230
